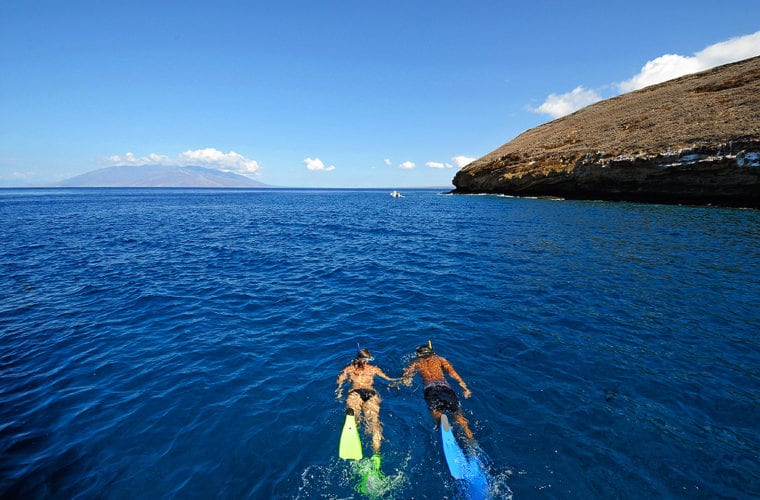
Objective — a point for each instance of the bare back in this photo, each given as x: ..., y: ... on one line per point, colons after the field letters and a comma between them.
x: 361, y: 377
x: 431, y: 369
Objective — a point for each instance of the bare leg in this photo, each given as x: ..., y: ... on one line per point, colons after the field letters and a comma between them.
x: 372, y: 414
x: 354, y: 401
x: 459, y: 418
x: 437, y: 416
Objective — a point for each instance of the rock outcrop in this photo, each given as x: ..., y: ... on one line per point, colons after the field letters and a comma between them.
x: 692, y: 140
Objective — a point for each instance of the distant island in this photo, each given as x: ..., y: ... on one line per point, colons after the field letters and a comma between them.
x: 692, y: 140
x: 161, y: 176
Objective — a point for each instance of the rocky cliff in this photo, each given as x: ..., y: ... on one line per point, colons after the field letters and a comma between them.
x: 693, y: 140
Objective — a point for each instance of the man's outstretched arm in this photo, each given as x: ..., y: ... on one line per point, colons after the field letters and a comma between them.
x: 451, y: 371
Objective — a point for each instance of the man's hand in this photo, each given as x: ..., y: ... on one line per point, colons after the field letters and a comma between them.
x: 467, y: 393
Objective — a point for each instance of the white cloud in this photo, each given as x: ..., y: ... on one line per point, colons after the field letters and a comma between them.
x: 211, y: 157
x: 658, y: 70
x: 315, y: 164
x: 671, y: 66
x: 557, y: 105
x: 462, y: 161
x: 387, y: 161
x: 19, y: 175
x: 435, y: 164
x: 407, y: 165
x: 208, y: 157
x: 661, y: 69
x: 131, y: 159
x: 732, y: 50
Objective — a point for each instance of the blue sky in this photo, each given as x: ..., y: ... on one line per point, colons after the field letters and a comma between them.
x: 327, y: 94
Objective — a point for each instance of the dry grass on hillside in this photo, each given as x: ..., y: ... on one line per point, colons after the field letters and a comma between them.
x: 716, y: 106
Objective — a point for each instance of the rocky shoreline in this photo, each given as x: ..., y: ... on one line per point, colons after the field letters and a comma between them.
x: 693, y: 140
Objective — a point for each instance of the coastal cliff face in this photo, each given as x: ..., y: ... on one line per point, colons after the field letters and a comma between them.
x: 693, y: 140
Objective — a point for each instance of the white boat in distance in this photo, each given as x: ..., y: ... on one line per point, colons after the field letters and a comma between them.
x: 396, y: 194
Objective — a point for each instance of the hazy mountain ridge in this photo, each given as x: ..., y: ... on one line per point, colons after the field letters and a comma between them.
x: 160, y: 176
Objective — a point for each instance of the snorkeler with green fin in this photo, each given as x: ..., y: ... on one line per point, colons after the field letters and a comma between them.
x: 362, y: 400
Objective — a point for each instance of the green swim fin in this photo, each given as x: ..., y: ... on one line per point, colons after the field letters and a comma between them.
x: 372, y: 481
x: 350, y: 447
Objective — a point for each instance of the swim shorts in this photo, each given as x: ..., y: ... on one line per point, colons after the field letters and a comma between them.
x: 441, y: 397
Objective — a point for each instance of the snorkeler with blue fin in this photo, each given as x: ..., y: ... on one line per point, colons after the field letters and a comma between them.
x: 438, y: 394
x: 440, y: 397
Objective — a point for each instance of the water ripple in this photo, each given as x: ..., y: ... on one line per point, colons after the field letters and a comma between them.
x: 160, y: 343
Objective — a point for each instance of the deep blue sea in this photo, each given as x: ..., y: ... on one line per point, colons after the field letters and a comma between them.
x: 168, y: 343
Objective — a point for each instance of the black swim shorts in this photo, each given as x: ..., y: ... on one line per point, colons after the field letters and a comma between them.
x: 441, y: 398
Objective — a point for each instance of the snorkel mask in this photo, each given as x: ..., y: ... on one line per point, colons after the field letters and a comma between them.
x: 424, y: 351
x: 363, y: 355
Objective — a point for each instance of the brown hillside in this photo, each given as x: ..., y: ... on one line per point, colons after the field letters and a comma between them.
x: 695, y: 139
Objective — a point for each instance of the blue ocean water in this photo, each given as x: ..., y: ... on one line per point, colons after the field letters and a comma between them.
x: 185, y: 343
